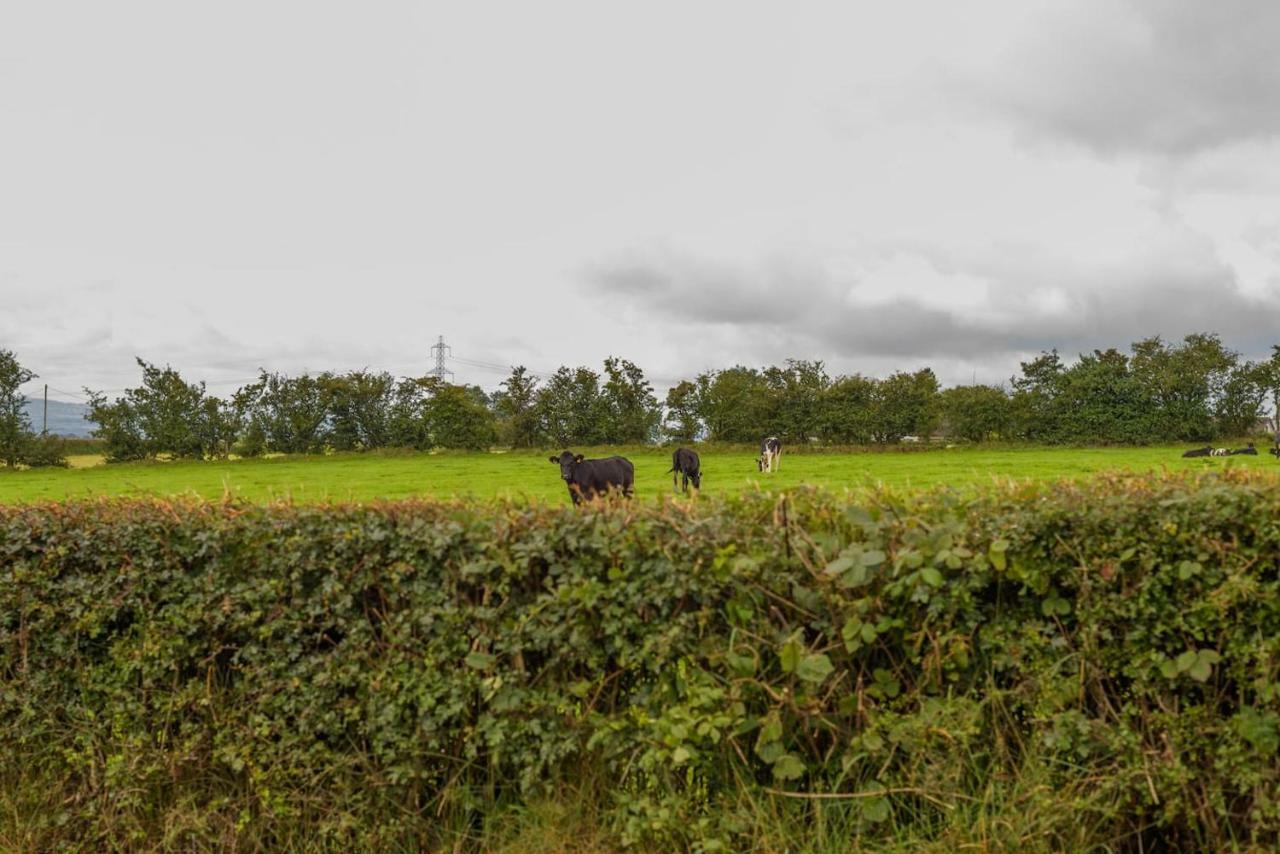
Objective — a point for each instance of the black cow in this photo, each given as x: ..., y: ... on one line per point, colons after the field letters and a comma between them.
x: 1199, y: 452
x: 588, y: 478
x: 770, y: 455
x: 1248, y: 451
x: 685, y: 464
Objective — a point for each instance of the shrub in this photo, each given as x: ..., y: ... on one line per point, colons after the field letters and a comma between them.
x: 45, y: 452
x: 1078, y: 664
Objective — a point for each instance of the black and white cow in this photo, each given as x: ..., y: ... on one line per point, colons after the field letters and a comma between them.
x: 588, y: 478
x: 770, y: 455
x: 1220, y: 452
x: 685, y: 464
x: 1199, y: 452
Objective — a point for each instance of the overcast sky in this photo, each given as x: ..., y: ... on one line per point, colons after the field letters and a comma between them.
x: 322, y: 185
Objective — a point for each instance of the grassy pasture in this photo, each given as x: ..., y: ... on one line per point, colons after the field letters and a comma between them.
x: 365, y: 477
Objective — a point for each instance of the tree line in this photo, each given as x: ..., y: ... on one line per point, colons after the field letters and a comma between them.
x: 1193, y: 390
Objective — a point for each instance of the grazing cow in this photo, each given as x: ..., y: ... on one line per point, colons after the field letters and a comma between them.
x: 1199, y: 452
x: 770, y: 455
x: 588, y: 478
x: 685, y: 464
x: 1248, y: 451
x: 1275, y: 452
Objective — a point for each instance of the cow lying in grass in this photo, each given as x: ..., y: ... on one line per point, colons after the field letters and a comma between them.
x: 1208, y: 451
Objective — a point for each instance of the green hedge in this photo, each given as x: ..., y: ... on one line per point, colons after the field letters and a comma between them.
x: 1100, y: 660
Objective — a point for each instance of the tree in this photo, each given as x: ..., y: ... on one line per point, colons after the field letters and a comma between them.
x: 116, y: 423
x: 516, y: 407
x: 291, y: 414
x: 1185, y: 384
x: 1101, y: 401
x: 458, y: 418
x: 633, y: 412
x: 359, y: 405
x: 975, y: 412
x: 734, y: 404
x: 1034, y: 407
x: 795, y: 396
x: 683, y: 423
x: 571, y: 408
x: 15, y: 427
x: 164, y: 415
x: 1240, y: 405
x: 904, y: 405
x: 848, y: 410
x: 169, y: 411
x: 407, y: 421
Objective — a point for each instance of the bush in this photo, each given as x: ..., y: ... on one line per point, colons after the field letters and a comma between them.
x: 45, y: 452
x: 1080, y: 664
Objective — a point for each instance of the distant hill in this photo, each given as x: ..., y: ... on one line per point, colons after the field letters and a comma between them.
x: 65, y: 419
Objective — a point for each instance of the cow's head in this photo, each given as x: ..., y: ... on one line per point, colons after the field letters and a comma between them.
x: 696, y: 479
x: 567, y: 460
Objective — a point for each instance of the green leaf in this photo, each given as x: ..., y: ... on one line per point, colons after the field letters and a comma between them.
x: 1055, y: 605
x: 771, y: 752
x: 479, y: 660
x: 741, y: 665
x: 814, y: 668
x: 856, y: 576
x: 789, y: 655
x: 1201, y: 670
x: 788, y: 767
x: 859, y: 516
x: 996, y: 554
x: 931, y: 576
x: 839, y: 565
x: 770, y: 729
x: 875, y: 557
x: 679, y: 756
x: 1186, y: 660
x: 875, y: 810
x: 852, y: 634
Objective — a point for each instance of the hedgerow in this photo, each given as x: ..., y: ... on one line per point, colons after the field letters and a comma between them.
x: 1091, y: 663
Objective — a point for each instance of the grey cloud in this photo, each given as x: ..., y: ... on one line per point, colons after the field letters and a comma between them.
x: 1173, y: 77
x: 713, y: 293
x: 809, y: 316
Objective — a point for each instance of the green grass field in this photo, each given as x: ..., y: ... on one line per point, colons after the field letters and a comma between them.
x: 357, y: 477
